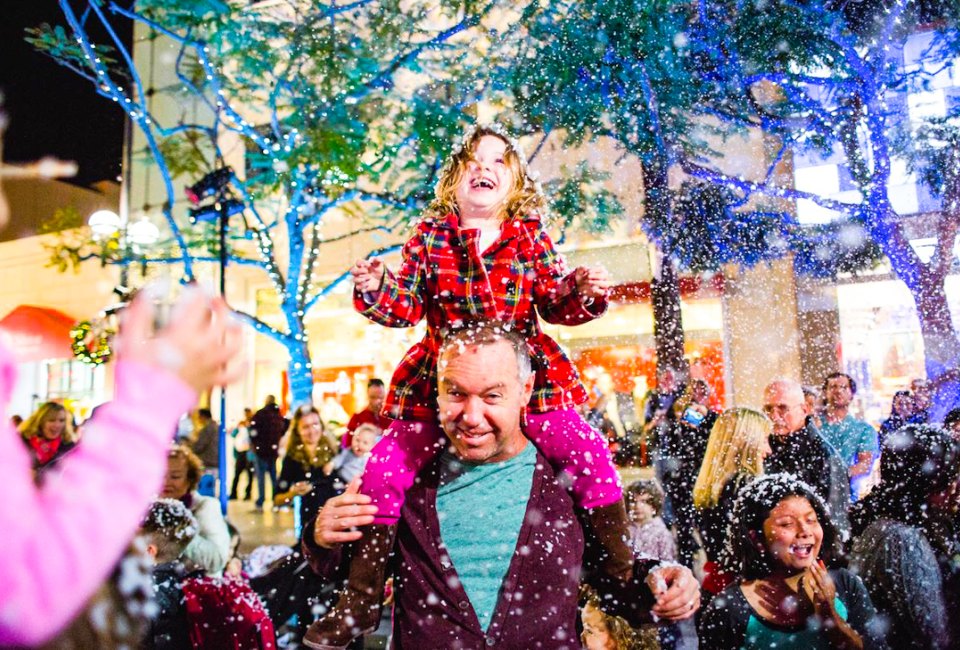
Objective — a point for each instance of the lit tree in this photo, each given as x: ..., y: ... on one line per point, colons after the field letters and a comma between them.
x: 620, y: 69
x: 666, y: 79
x: 817, y: 79
x: 341, y: 107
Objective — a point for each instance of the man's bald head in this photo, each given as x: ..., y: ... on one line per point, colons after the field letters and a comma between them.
x: 784, y: 404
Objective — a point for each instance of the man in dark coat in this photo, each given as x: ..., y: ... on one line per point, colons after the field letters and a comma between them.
x: 489, y: 549
x: 684, y: 446
x: 266, y: 429
x: 795, y: 443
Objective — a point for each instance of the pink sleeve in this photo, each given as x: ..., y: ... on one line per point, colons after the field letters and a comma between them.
x: 61, y: 540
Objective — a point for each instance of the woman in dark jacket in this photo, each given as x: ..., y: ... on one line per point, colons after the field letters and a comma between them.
x: 308, y: 450
x: 903, y: 546
x: 780, y: 544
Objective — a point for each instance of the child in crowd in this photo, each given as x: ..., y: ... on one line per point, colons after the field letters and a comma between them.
x: 349, y: 462
x: 480, y: 254
x: 168, y: 528
x: 196, y: 611
x: 604, y: 632
x: 649, y: 535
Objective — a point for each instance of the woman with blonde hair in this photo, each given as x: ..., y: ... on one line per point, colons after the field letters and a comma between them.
x: 309, y: 448
x: 49, y: 434
x: 738, y: 444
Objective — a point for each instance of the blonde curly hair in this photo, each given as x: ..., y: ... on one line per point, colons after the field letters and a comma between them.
x: 621, y: 634
x: 526, y: 195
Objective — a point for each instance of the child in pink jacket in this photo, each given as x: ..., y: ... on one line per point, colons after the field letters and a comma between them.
x: 62, y: 538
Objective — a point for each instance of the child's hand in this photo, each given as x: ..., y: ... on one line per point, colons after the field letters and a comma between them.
x: 592, y: 283
x: 368, y: 275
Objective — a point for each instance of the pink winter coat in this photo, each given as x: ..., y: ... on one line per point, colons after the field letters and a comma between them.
x: 60, y: 541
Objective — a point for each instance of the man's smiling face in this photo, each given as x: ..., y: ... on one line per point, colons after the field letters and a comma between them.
x: 480, y: 398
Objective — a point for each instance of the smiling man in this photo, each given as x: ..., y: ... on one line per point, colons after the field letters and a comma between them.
x: 795, y: 443
x: 488, y: 541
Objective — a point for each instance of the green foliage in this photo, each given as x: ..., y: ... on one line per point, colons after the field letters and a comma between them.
x: 609, y: 68
x: 932, y: 150
x: 581, y: 202
x: 62, y: 219
x: 55, y: 42
x: 186, y: 154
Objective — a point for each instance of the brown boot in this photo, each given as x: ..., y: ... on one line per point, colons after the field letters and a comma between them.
x: 357, y: 612
x: 609, y: 528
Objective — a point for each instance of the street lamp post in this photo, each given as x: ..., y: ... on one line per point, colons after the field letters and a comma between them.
x: 223, y: 206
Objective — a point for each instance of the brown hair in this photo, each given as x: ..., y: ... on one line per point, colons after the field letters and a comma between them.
x: 194, y: 464
x: 645, y: 488
x: 33, y: 426
x: 297, y: 451
x: 524, y: 197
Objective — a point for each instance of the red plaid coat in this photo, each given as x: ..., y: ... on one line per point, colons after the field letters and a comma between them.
x: 445, y: 278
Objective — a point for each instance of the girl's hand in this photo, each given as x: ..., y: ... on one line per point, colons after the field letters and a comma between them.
x: 592, y: 283
x: 301, y: 488
x: 818, y: 587
x: 781, y: 604
x: 368, y: 275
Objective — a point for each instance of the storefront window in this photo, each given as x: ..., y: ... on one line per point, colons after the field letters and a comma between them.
x: 881, y: 345
x: 79, y: 386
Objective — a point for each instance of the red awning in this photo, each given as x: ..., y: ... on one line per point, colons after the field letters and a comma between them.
x: 35, y: 333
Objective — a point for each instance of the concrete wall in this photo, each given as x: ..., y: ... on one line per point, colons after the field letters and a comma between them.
x: 761, y: 328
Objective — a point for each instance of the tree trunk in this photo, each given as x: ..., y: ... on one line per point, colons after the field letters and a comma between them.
x: 664, y: 287
x: 926, y: 282
x: 300, y: 372
x: 667, y: 320
x: 940, y: 343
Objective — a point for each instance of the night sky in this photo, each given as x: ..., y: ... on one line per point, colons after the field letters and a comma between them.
x: 52, y: 110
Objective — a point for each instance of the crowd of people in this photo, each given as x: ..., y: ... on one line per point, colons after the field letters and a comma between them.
x: 477, y: 483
